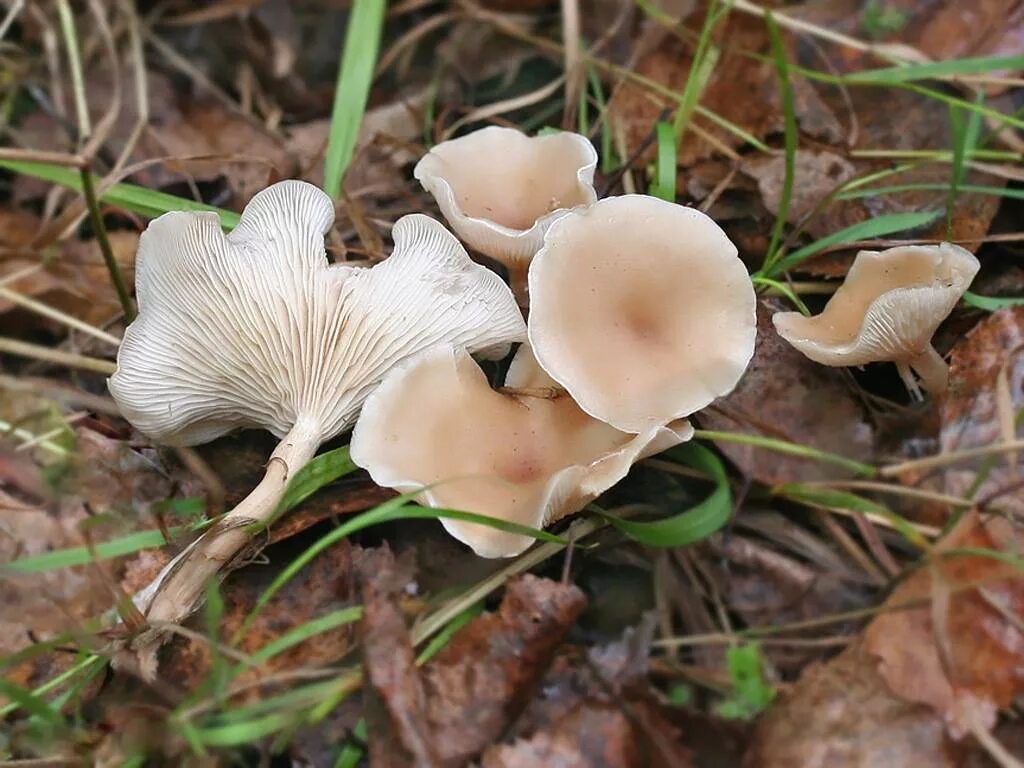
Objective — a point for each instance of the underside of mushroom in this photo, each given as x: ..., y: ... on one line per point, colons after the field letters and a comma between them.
x: 526, y: 454
x: 500, y: 189
x: 887, y: 309
x: 256, y: 329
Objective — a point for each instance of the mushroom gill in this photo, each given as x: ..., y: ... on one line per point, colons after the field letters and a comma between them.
x: 500, y: 189
x: 256, y: 329
x: 887, y: 309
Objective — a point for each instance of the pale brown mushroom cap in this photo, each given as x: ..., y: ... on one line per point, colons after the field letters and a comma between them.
x: 500, y: 189
x: 887, y: 308
x: 641, y: 309
x: 436, y: 423
x: 256, y: 329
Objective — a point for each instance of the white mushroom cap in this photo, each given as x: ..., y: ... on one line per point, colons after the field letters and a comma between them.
x: 256, y: 329
x: 436, y: 424
x: 887, y: 309
x: 641, y: 309
x: 500, y: 189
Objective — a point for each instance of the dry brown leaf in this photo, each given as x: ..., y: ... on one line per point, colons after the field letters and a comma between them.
x: 323, y: 586
x: 467, y: 696
x: 841, y: 714
x: 784, y: 395
x: 986, y: 387
x: 740, y: 90
x: 962, y: 654
x: 71, y: 277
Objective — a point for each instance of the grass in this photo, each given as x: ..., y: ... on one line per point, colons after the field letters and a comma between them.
x: 355, y: 76
x: 789, y: 121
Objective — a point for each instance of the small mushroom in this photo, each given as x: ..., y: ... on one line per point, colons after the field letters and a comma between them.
x: 526, y: 455
x: 887, y: 309
x: 641, y: 309
x: 500, y: 189
x: 256, y: 329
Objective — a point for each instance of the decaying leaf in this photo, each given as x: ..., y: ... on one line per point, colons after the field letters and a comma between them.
x: 841, y: 714
x: 327, y: 584
x: 465, y: 697
x: 785, y: 396
x: 982, y: 408
x: 962, y: 652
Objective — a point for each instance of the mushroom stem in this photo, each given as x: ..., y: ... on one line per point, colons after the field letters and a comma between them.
x: 931, y: 369
x: 179, y: 587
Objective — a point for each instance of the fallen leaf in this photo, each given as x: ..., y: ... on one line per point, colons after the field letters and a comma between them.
x: 326, y: 584
x: 783, y: 395
x: 962, y: 654
x: 841, y: 714
x: 816, y: 175
x: 465, y: 697
x: 598, y: 709
x: 986, y: 392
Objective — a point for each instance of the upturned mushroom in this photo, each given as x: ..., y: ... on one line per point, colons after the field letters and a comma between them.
x: 500, y: 189
x: 641, y: 309
x: 887, y: 310
x: 526, y: 455
x: 256, y: 329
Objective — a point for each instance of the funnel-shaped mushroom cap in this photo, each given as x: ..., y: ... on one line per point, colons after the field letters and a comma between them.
x: 641, y: 309
x: 887, y: 309
x: 529, y: 456
x: 501, y: 189
x: 256, y: 329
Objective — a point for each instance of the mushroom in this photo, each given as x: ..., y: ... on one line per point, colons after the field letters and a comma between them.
x: 887, y: 309
x: 641, y: 309
x: 256, y: 329
x: 525, y: 455
x: 500, y: 189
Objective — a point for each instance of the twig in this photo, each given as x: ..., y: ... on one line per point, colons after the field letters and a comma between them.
x: 55, y: 314
x: 56, y: 356
x: 953, y: 457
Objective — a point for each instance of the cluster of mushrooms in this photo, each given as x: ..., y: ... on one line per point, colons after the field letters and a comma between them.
x: 631, y: 314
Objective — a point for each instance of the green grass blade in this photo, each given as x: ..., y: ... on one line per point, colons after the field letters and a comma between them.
x: 791, y: 449
x: 355, y: 75
x: 789, y: 117
x: 304, y: 632
x: 966, y: 130
x: 992, y: 303
x: 879, y: 226
x: 828, y: 497
x: 664, y: 185
x: 65, y: 558
x: 895, y: 189
x: 131, y: 197
x: 321, y: 471
x: 696, y: 523
x: 398, y: 508
x: 704, y: 59
x: 933, y: 70
x: 31, y: 703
